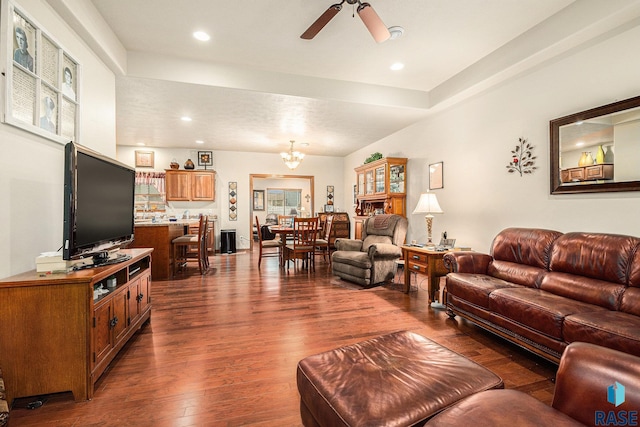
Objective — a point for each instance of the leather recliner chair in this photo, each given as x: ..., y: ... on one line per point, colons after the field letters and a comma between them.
x: 372, y: 260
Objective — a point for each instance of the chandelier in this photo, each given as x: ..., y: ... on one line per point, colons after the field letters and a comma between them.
x: 293, y: 158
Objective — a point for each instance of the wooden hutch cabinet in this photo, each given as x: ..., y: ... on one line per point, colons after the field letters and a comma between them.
x: 190, y: 185
x: 381, y: 188
x: 57, y: 336
x: 340, y: 228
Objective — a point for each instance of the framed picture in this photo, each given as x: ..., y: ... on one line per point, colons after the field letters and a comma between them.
x: 144, y: 159
x: 258, y: 200
x: 205, y: 158
x: 435, y: 176
x: 328, y: 208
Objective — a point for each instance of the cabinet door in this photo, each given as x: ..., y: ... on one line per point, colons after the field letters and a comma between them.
x: 369, y: 182
x: 120, y: 314
x: 202, y: 186
x: 358, y: 228
x: 102, y: 315
x: 144, y: 297
x: 177, y: 183
x: 361, y: 184
x: 132, y: 299
x: 380, y: 179
x: 396, y: 179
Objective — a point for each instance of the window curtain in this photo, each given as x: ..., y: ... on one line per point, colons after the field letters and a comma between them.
x: 154, y: 179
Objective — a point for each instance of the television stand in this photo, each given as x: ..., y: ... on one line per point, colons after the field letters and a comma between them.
x: 101, y: 259
x: 56, y: 336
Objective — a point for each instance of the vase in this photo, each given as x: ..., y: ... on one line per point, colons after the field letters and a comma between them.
x: 189, y: 164
x: 608, y: 155
x: 600, y: 155
x: 586, y: 159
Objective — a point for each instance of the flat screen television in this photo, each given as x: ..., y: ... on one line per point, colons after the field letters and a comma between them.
x: 98, y: 205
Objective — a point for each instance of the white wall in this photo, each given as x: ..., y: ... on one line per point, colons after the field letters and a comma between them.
x: 474, y: 139
x: 31, y: 167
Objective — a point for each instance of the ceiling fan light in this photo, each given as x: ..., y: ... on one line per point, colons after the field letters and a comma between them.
x: 374, y: 24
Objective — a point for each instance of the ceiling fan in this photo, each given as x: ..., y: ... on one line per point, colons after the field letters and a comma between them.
x: 371, y: 20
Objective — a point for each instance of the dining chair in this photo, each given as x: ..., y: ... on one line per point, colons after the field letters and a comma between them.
x: 192, y: 247
x: 324, y: 243
x: 267, y: 246
x: 303, y: 245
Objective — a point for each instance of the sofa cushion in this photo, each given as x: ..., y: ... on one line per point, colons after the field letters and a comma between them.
x: 526, y: 246
x: 474, y: 288
x: 372, y: 239
x: 537, y: 309
x: 598, y: 256
x: 521, y: 274
x: 352, y: 258
x: 592, y: 291
x: 498, y: 408
x: 634, y: 271
x: 611, y: 329
x: 630, y: 302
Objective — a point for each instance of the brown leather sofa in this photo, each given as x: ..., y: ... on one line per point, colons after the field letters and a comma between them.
x: 543, y: 289
x: 595, y: 386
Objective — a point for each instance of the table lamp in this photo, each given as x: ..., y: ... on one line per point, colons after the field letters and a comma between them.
x: 428, y: 204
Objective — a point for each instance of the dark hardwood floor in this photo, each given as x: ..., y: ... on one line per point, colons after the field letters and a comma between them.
x: 221, y: 350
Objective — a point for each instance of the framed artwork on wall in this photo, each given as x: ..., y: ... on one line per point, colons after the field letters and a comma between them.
x: 42, y: 79
x: 144, y: 159
x: 205, y: 158
x: 435, y: 176
x: 258, y: 200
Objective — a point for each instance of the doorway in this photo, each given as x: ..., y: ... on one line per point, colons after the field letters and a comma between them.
x: 261, y: 182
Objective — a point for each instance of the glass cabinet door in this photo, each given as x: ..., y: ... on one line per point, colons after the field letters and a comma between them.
x: 361, y: 184
x: 369, y: 181
x: 380, y: 179
x: 396, y: 179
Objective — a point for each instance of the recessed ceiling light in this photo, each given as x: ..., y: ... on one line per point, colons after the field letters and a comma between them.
x: 185, y: 118
x: 397, y: 66
x: 304, y: 144
x: 141, y: 144
x: 202, y: 36
x: 199, y: 141
x: 579, y: 144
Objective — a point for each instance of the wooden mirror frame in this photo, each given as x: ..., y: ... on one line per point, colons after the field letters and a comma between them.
x: 556, y: 183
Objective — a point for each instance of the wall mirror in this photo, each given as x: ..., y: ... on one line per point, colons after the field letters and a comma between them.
x: 597, y: 150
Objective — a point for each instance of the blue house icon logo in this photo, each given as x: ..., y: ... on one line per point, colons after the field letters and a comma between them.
x: 615, y: 394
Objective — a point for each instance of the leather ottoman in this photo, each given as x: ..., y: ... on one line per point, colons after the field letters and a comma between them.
x: 400, y: 379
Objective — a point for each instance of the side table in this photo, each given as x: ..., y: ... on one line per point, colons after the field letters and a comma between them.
x: 425, y: 261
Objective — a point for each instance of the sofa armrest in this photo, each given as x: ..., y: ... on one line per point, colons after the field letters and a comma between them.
x: 467, y: 262
x: 586, y: 376
x: 384, y: 250
x: 348, y: 245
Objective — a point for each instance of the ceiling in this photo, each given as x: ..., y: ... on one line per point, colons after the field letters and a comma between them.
x: 256, y: 85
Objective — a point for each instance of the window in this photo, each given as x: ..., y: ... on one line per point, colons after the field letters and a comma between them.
x: 149, y: 192
x: 281, y: 201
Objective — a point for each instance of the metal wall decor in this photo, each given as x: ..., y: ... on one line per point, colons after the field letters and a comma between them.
x: 233, y: 201
x: 522, y: 158
x: 329, y: 194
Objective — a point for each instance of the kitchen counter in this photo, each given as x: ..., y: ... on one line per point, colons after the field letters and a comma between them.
x: 159, y: 235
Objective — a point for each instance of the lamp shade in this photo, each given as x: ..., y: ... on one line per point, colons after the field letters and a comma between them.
x: 428, y: 204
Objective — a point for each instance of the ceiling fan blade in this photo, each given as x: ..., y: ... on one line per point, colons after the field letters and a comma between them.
x: 374, y: 24
x: 323, y: 20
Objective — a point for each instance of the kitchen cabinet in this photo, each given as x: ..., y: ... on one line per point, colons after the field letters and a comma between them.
x: 190, y: 185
